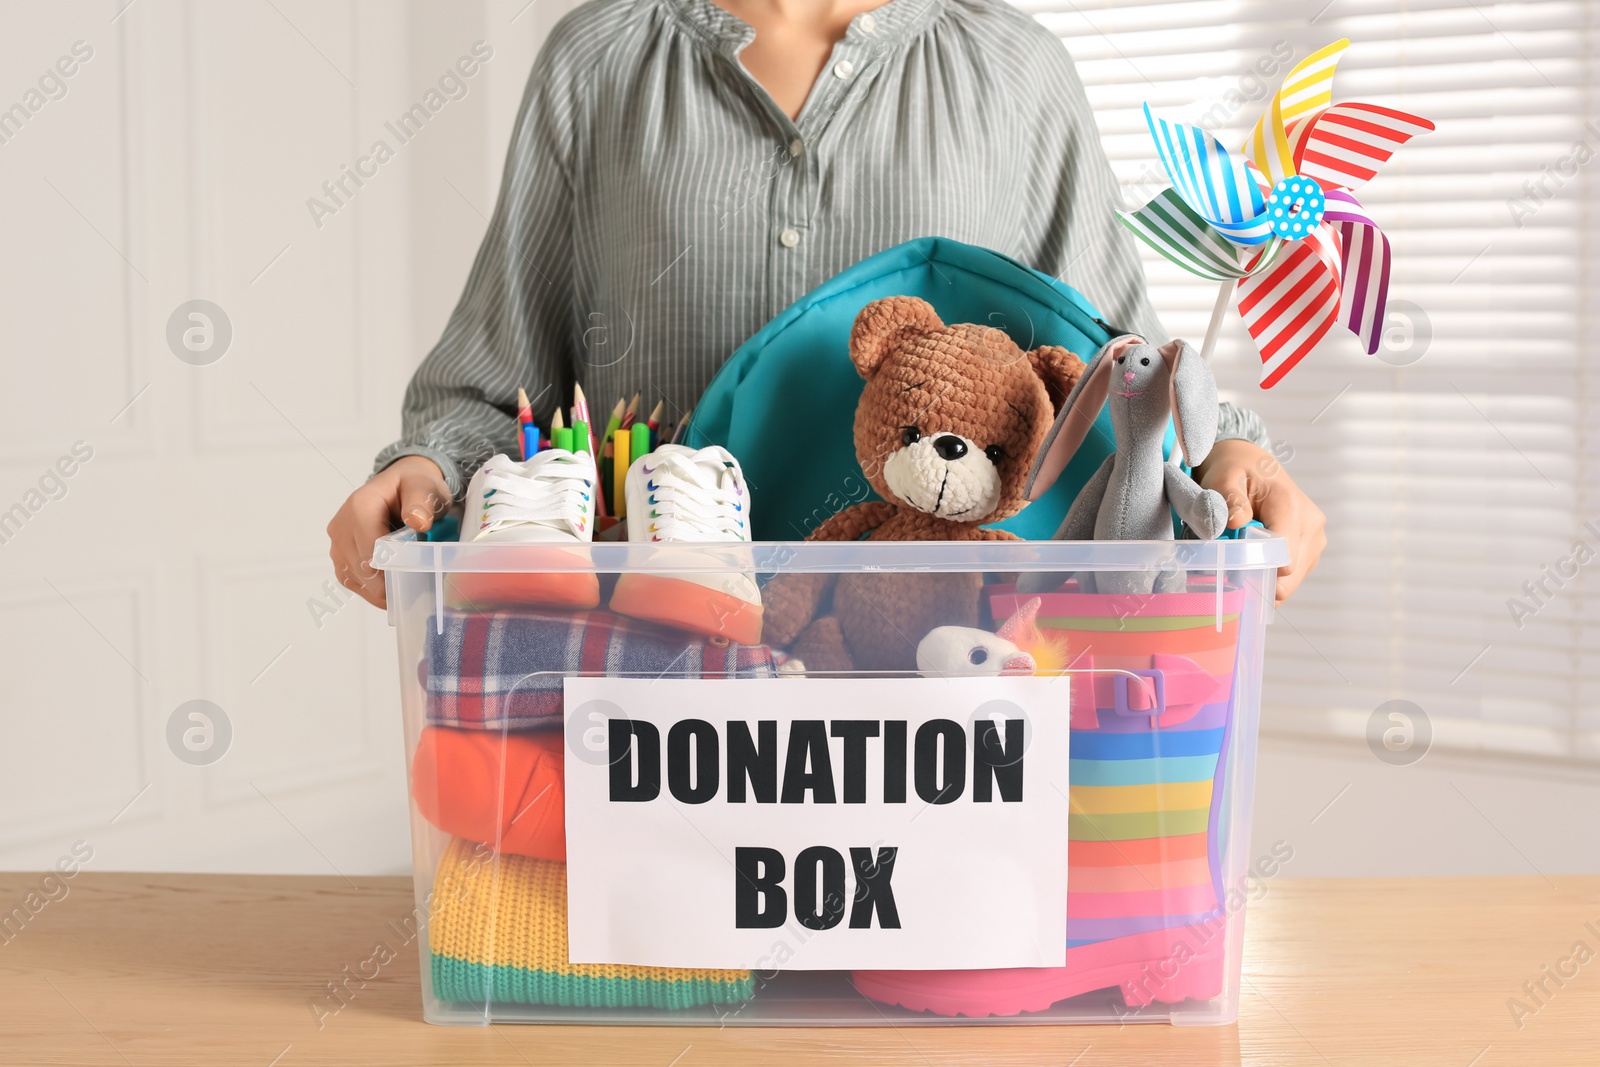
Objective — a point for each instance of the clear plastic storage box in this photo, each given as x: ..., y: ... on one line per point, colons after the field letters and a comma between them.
x: 627, y: 809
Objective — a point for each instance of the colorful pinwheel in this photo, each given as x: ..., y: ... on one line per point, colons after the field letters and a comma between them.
x: 1279, y: 221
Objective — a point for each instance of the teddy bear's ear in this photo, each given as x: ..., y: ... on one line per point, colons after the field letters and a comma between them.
x: 1059, y: 369
x: 882, y: 324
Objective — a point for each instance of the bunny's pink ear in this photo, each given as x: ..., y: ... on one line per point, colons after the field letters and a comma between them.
x: 1076, y: 418
x: 1020, y: 623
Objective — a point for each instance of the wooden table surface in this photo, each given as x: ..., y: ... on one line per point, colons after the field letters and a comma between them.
x: 136, y: 969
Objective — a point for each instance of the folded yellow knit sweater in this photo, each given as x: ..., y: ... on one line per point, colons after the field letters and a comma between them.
x: 497, y: 928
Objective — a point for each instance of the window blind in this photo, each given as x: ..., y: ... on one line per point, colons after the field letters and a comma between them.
x: 1457, y: 467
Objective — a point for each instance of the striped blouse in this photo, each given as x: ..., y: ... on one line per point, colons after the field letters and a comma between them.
x: 658, y: 208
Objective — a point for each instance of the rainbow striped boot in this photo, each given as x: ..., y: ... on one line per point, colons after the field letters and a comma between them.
x: 1147, y: 837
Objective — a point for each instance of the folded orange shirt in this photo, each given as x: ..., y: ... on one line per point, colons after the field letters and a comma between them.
x: 507, y: 790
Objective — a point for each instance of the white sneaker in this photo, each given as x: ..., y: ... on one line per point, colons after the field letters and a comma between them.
x: 682, y: 494
x: 687, y: 494
x: 547, y: 500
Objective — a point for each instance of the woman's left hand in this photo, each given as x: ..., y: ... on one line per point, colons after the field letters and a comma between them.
x: 1256, y: 486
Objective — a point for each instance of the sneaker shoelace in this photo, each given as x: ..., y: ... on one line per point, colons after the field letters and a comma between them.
x: 694, y: 499
x: 556, y: 497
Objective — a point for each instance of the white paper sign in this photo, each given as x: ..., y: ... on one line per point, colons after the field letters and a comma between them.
x: 800, y: 823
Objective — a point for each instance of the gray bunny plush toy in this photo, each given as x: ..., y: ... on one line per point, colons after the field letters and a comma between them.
x: 1129, y: 497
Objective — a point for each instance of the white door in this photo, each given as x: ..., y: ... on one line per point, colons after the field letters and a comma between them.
x: 167, y: 467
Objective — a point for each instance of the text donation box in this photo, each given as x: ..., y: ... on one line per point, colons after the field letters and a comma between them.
x: 817, y: 823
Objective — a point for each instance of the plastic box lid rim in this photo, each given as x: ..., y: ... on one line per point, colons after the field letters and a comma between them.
x: 403, y: 552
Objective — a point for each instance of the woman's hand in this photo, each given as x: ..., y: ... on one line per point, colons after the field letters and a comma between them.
x: 410, y: 490
x: 1256, y: 486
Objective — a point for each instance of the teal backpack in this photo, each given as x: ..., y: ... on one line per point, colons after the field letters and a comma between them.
x: 785, y: 402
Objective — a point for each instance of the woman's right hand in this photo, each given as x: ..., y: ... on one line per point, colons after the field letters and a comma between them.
x: 411, y: 490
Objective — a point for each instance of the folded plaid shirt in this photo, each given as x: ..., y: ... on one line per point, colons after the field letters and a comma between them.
x: 504, y: 670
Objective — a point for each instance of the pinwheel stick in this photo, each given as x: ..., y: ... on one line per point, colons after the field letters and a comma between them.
x: 1220, y: 308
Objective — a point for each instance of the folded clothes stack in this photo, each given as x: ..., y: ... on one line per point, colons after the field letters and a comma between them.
x: 488, y: 770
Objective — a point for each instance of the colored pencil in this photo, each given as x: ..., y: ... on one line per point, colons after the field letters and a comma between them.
x: 619, y: 478
x: 583, y: 439
x: 616, y: 418
x: 527, y: 432
x: 654, y: 422
x: 607, y: 451
x: 556, y: 421
x: 677, y: 434
x: 581, y: 420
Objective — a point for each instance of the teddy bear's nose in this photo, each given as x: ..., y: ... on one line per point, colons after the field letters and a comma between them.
x: 1127, y: 375
x: 950, y: 447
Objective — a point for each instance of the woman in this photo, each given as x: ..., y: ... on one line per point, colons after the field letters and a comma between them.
x: 681, y: 171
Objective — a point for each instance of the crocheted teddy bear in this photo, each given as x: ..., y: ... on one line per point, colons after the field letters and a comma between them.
x: 946, y: 431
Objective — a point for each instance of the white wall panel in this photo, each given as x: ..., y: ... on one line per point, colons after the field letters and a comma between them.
x: 71, y: 268
x: 274, y: 118
x: 77, y: 703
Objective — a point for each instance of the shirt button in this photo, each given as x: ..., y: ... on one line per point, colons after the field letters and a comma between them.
x: 789, y: 237
x: 843, y: 69
x: 796, y: 146
x: 867, y: 22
